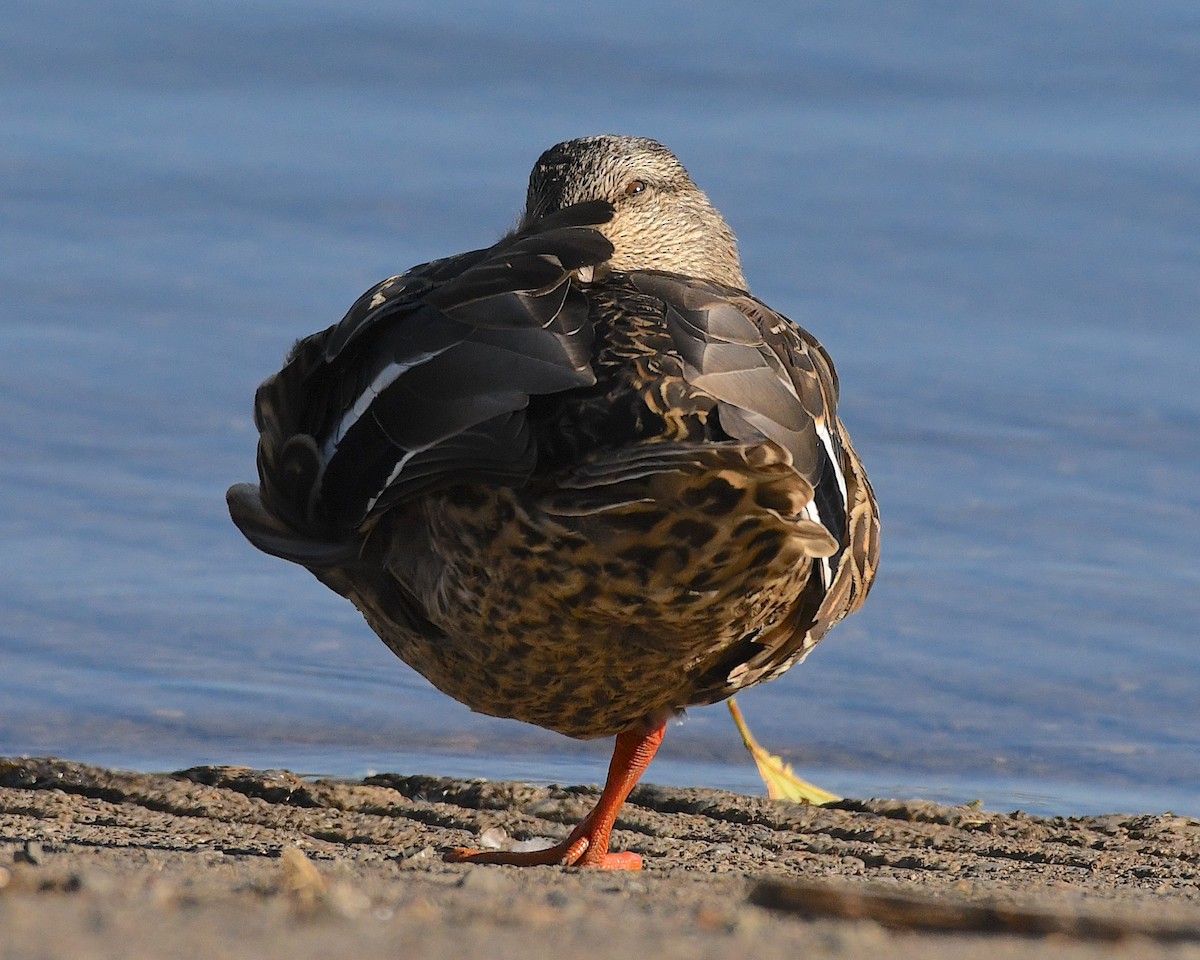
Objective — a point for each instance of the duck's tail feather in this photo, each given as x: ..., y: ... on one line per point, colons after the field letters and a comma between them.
x: 271, y: 535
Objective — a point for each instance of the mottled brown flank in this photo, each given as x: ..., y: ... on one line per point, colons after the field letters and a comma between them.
x: 595, y: 625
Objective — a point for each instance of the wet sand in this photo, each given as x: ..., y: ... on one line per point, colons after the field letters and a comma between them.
x: 231, y: 862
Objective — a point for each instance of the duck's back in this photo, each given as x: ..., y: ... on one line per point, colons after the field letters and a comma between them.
x: 577, y: 504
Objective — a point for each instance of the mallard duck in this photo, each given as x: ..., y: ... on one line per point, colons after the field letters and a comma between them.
x: 581, y: 477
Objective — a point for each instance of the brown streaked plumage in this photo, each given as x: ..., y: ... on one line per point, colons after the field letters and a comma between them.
x: 580, y: 478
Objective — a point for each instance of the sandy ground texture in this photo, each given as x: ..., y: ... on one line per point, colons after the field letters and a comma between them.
x: 230, y: 862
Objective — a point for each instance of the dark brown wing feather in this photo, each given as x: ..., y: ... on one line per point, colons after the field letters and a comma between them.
x: 423, y: 383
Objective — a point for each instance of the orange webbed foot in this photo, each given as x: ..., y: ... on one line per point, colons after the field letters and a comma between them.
x: 562, y: 854
x: 587, y: 845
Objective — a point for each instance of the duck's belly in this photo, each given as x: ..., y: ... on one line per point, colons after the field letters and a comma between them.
x: 587, y: 625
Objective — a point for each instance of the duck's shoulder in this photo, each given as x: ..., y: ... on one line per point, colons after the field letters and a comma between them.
x: 687, y: 359
x: 720, y: 329
x: 520, y: 282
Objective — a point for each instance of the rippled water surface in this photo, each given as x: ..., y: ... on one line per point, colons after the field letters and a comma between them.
x: 990, y: 214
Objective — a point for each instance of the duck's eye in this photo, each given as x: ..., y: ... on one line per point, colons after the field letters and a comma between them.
x: 634, y: 187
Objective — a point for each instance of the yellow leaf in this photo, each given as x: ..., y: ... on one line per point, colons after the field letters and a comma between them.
x: 781, y: 783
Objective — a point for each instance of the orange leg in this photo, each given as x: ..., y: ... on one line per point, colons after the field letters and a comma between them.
x: 587, y: 845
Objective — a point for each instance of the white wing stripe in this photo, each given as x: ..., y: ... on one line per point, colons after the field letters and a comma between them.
x: 386, y: 377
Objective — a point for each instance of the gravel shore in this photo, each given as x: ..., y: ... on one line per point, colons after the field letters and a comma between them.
x: 232, y: 862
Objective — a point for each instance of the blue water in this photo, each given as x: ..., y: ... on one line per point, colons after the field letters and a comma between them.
x: 989, y: 213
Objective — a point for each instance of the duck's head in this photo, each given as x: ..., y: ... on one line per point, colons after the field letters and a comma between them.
x: 661, y: 219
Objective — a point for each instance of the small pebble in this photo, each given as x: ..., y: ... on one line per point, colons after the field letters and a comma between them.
x: 493, y: 838
x: 31, y: 853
